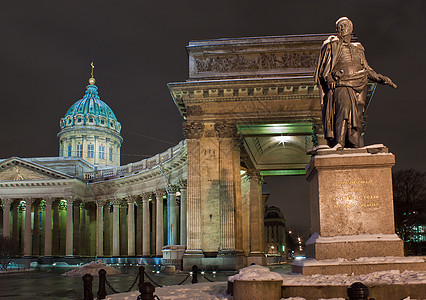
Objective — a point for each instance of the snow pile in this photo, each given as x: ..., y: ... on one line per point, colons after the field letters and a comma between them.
x: 361, y: 260
x: 315, y: 238
x: 205, y: 291
x: 375, y: 278
x: 255, y: 272
x: 91, y: 268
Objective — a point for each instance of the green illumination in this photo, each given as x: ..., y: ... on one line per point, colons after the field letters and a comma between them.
x: 293, y: 128
x: 282, y: 172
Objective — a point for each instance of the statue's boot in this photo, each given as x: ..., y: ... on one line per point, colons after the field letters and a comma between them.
x: 341, y: 131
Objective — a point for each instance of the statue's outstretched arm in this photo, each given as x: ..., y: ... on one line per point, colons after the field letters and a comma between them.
x: 379, y: 78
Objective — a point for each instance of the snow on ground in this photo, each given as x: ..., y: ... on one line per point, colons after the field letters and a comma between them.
x: 376, y: 278
x: 361, y: 260
x: 205, y: 291
x: 91, y: 268
x: 255, y: 272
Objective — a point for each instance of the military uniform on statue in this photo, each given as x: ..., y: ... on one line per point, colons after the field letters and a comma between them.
x: 342, y: 75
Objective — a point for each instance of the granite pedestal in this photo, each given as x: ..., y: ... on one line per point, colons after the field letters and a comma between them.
x: 351, y: 207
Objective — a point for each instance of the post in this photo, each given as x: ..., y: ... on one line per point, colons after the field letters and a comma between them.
x: 358, y: 291
x: 115, y: 227
x: 100, y: 227
x: 69, y: 231
x: 183, y: 212
x: 145, y: 228
x: 6, y: 217
x: 131, y: 226
x: 88, y: 294
x: 102, y: 279
x: 194, y: 274
x: 48, y: 228
x: 27, y: 230
x: 159, y: 231
x: 141, y: 276
x: 147, y: 291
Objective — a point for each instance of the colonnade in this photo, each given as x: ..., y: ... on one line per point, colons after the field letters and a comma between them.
x: 137, y: 225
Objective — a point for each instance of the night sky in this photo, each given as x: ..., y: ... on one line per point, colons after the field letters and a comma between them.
x: 139, y: 46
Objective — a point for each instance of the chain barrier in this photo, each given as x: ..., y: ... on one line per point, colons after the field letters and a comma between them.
x: 150, y: 279
x: 187, y: 276
x: 128, y: 290
x: 206, y: 278
x: 110, y: 286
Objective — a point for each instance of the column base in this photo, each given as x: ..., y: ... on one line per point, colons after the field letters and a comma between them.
x: 257, y: 258
x: 354, y: 246
x: 225, y: 259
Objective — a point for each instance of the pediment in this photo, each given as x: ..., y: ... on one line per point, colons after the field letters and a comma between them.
x: 17, y: 169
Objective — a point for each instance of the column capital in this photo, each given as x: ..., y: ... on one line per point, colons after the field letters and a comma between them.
x: 6, y: 201
x: 145, y: 196
x: 183, y: 184
x: 131, y: 199
x: 70, y: 200
x: 226, y: 129
x: 100, y: 203
x: 48, y: 200
x: 193, y: 130
x: 172, y: 188
x: 29, y: 201
x: 115, y: 201
x: 138, y: 200
x: 159, y: 193
x: 254, y: 174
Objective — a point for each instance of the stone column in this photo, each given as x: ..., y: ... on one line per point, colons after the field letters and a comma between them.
x: 153, y: 228
x: 6, y: 216
x: 27, y: 230
x: 226, y: 132
x: 172, y: 215
x: 139, y: 225
x: 257, y: 212
x: 145, y: 228
x: 15, y: 224
x: 107, y: 229
x: 48, y: 228
x: 69, y: 247
x: 123, y: 227
x: 36, y: 229
x: 55, y: 230
x: 116, y: 227
x: 159, y: 241
x: 76, y: 227
x: 100, y: 227
x: 131, y: 226
x: 183, y: 212
x: 193, y: 132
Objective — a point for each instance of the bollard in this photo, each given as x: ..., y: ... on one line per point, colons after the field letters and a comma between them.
x: 147, y: 291
x: 194, y: 274
x: 87, y: 279
x: 358, y: 291
x: 102, y: 289
x: 141, y: 276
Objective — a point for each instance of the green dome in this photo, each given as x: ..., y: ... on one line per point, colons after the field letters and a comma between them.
x: 91, y: 111
x: 91, y: 104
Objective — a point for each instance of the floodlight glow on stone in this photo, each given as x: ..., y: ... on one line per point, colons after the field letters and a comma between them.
x: 282, y: 139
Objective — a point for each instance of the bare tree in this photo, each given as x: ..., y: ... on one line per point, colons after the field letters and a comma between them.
x: 8, y: 250
x: 409, y: 196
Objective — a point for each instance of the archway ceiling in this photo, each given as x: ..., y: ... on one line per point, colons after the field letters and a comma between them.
x: 277, y: 149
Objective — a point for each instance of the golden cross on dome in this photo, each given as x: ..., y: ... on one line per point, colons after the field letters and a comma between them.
x: 93, y: 66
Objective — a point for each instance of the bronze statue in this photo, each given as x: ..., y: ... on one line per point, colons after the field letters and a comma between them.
x: 342, y: 74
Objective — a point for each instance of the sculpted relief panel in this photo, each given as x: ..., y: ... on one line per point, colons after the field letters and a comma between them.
x: 260, y: 61
x: 21, y: 173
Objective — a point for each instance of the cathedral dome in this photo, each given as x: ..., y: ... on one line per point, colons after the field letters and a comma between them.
x: 91, y: 111
x: 90, y: 130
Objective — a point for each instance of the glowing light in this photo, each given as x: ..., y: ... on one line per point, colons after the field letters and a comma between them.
x: 190, y: 273
x: 202, y: 272
x: 282, y: 139
x: 214, y: 272
x: 158, y: 272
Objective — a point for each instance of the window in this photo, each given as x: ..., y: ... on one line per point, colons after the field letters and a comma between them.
x: 110, y: 153
x: 69, y: 150
x: 102, y: 152
x: 90, y: 150
x: 79, y: 150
